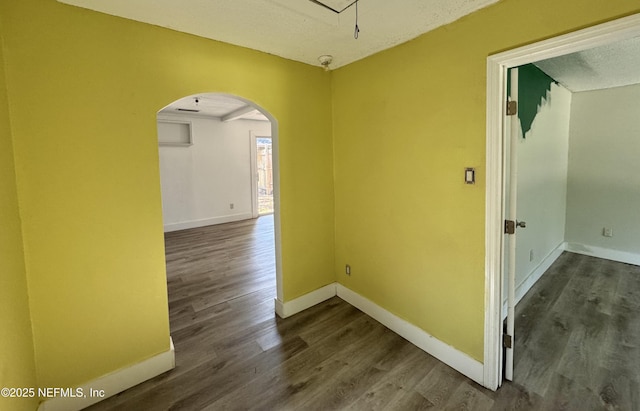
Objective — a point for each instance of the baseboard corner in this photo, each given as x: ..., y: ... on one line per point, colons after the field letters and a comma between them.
x: 289, y: 308
x: 446, y: 353
x: 605, y: 253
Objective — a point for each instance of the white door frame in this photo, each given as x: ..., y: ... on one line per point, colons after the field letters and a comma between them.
x: 254, y: 174
x: 255, y: 209
x: 497, y: 66
x: 275, y: 164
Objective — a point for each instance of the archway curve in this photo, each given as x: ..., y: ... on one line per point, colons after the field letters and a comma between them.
x: 276, y: 173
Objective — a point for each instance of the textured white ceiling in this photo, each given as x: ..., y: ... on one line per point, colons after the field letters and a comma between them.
x: 299, y: 30
x: 303, y: 30
x: 613, y: 65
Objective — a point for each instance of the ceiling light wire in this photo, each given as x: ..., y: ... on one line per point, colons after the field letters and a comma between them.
x: 356, y: 31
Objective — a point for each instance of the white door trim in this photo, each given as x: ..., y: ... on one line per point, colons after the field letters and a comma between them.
x: 511, y: 211
x: 255, y: 180
x: 254, y: 174
x: 497, y: 66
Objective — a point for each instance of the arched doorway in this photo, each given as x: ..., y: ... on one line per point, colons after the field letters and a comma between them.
x: 225, y: 126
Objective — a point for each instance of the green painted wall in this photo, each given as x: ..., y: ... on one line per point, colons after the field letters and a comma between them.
x: 17, y: 366
x: 534, y: 86
x: 84, y: 89
x: 407, y: 121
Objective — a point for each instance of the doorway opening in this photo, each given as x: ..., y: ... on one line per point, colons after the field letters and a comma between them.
x: 498, y: 161
x: 206, y: 171
x: 264, y: 175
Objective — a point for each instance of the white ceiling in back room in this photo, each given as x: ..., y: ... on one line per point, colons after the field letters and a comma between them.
x: 613, y: 65
x: 224, y: 108
x: 300, y: 30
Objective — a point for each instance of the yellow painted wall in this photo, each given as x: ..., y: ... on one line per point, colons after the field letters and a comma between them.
x: 84, y: 89
x: 406, y: 123
x: 17, y: 367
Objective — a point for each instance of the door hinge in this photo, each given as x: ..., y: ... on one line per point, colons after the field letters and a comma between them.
x: 512, y: 108
x: 507, y: 341
x: 509, y: 227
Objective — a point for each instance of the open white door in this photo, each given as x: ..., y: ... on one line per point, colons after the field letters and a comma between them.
x: 511, y: 223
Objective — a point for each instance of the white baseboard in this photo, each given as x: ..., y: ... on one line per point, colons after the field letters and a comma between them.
x: 606, y: 253
x: 115, y: 382
x: 206, y: 221
x: 292, y: 307
x: 421, y: 339
x: 534, y: 276
x: 446, y: 353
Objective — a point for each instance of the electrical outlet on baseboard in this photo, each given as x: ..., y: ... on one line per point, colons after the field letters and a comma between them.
x: 347, y: 269
x: 607, y: 232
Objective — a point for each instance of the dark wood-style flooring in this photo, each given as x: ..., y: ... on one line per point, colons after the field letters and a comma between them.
x: 578, y: 335
x: 576, y: 348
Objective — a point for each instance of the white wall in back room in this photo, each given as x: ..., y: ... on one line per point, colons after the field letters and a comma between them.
x: 542, y: 189
x: 200, y: 181
x: 604, y: 174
